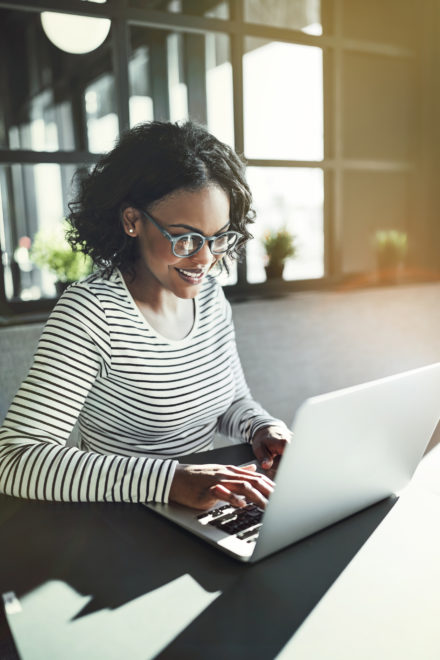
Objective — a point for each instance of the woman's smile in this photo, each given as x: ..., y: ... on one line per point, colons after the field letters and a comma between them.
x: 192, y: 275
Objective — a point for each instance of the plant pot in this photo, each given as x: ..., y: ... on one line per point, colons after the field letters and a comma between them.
x: 389, y: 268
x: 274, y: 271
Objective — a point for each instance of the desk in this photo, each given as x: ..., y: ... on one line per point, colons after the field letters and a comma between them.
x: 116, y: 581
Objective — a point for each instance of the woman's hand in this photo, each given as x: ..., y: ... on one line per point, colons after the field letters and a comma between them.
x: 201, y: 486
x: 269, y: 444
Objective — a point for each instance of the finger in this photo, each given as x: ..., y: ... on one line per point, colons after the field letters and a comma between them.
x: 267, y: 462
x: 269, y: 448
x: 224, y: 494
x: 254, y: 491
x: 264, y: 457
x: 259, y: 481
x: 250, y: 468
x: 271, y: 472
x: 250, y: 493
x: 243, y: 470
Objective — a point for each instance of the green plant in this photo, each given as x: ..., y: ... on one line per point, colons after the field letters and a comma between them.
x: 279, y: 245
x: 391, y: 246
x: 50, y: 250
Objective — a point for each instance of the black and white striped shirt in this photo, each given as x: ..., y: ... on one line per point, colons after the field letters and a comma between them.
x: 140, y: 399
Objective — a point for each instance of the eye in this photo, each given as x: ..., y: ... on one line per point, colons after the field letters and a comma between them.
x: 221, y: 243
x: 187, y: 244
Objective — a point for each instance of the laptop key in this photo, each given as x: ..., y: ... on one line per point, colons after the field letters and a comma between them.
x: 239, y: 520
x: 249, y: 532
x: 218, y: 512
x: 213, y: 513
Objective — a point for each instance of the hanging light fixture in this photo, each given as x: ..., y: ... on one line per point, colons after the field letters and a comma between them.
x: 73, y: 33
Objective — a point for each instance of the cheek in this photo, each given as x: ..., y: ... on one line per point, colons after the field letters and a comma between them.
x: 155, y: 251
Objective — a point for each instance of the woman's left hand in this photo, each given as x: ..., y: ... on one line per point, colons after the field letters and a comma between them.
x: 269, y: 444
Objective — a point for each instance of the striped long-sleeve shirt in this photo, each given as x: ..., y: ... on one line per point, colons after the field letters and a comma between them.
x: 140, y: 399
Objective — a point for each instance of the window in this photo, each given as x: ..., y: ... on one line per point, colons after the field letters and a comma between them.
x: 331, y: 102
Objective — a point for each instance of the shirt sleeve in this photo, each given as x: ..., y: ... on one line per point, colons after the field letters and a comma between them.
x: 35, y: 463
x: 244, y: 416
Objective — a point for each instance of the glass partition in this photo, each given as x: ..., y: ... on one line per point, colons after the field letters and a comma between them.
x: 292, y: 199
x: 101, y: 114
x: 393, y: 22
x: 43, y: 95
x: 207, y: 8
x: 33, y: 199
x: 283, y: 101
x: 177, y: 75
x: 304, y: 15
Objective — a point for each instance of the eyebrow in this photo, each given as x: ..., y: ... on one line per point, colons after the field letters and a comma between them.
x: 197, y: 231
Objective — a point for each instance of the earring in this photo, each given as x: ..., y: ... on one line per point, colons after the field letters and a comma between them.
x: 131, y: 230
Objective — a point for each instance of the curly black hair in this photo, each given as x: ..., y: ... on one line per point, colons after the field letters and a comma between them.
x: 149, y: 162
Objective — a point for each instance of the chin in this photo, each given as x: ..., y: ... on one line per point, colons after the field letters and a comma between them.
x: 188, y: 292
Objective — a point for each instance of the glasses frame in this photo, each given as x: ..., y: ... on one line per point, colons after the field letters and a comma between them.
x: 205, y: 239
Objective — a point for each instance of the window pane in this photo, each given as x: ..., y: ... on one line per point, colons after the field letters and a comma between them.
x: 32, y: 198
x: 283, y: 102
x: 141, y: 101
x: 178, y: 76
x: 290, y: 198
x: 304, y: 15
x: 380, y: 107
x: 385, y: 205
x: 208, y: 8
x: 32, y: 114
x: 43, y: 109
x: 394, y: 22
x: 219, y: 87
x: 101, y: 114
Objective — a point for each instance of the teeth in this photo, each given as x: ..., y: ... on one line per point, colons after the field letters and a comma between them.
x: 191, y: 274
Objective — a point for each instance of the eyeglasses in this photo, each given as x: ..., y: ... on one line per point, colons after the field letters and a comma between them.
x: 186, y: 245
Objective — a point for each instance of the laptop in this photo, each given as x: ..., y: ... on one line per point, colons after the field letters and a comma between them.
x: 350, y: 449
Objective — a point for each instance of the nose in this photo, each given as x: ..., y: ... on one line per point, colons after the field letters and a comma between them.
x: 204, y: 257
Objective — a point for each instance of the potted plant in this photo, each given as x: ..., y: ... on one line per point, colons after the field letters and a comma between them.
x: 279, y: 245
x: 51, y: 251
x: 391, y: 248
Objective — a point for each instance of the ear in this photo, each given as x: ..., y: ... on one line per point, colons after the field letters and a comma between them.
x: 130, y: 221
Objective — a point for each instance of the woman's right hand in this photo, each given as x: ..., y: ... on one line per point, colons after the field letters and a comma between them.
x: 201, y: 486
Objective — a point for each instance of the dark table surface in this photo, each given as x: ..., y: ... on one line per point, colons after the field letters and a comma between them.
x: 117, y: 553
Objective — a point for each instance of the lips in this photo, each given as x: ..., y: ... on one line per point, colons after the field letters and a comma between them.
x: 192, y: 276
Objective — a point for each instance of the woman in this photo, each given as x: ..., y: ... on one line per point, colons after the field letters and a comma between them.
x: 142, y: 352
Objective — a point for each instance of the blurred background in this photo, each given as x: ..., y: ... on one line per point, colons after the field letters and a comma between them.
x: 333, y: 103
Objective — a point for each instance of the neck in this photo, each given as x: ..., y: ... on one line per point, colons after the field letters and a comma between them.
x: 149, y: 293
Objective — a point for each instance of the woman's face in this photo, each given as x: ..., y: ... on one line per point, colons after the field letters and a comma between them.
x: 204, y: 211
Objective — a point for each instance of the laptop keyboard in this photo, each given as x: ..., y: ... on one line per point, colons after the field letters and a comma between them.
x: 245, y: 521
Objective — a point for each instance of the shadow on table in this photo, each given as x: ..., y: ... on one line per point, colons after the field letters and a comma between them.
x: 120, y: 552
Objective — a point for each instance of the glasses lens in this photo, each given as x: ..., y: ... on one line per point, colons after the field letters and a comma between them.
x: 188, y: 244
x: 224, y: 242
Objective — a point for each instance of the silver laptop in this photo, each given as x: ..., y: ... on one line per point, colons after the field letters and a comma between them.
x: 350, y: 449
